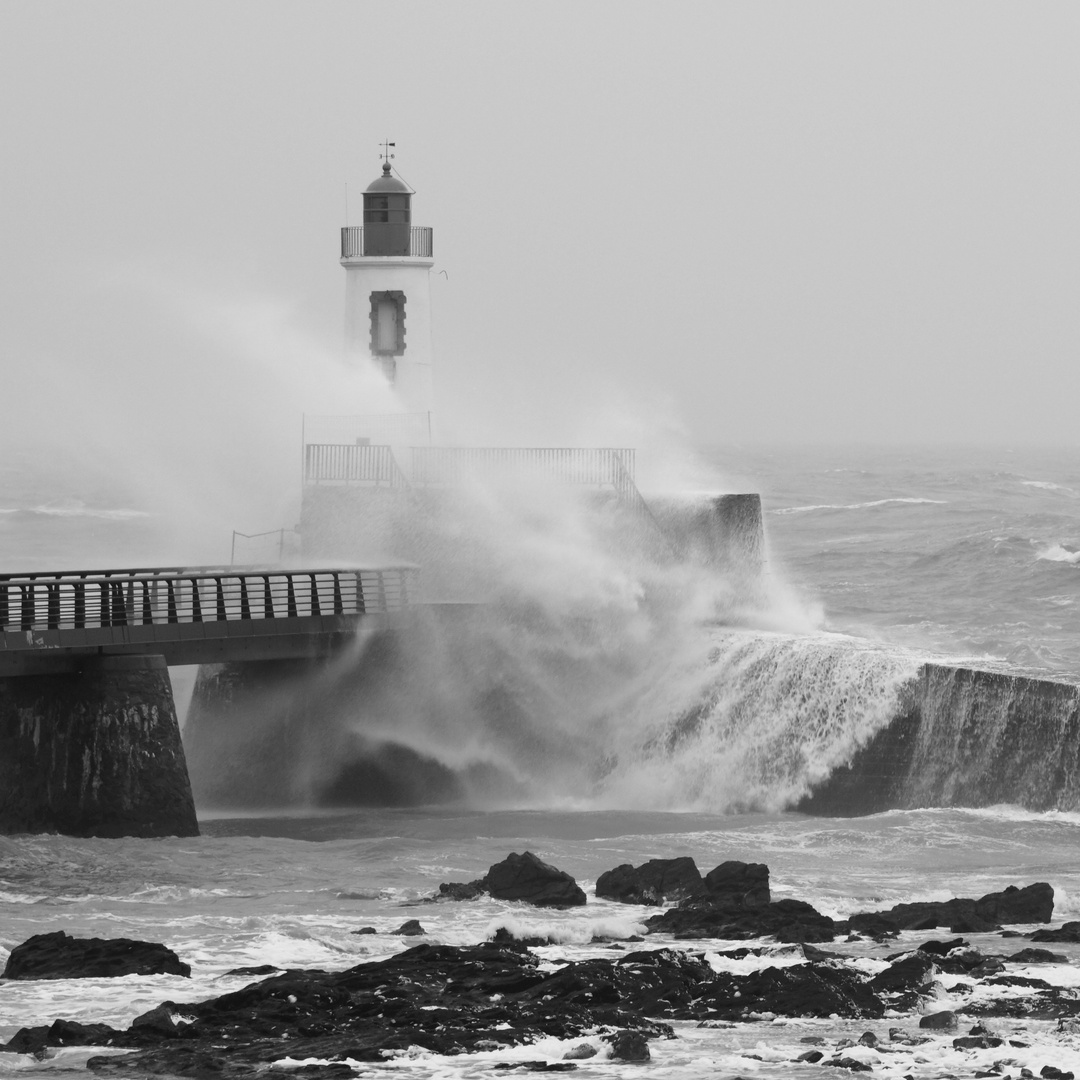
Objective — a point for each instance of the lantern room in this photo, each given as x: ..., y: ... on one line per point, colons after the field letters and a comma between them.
x: 387, y: 215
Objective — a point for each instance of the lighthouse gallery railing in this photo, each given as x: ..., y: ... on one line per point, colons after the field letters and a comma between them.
x: 420, y: 244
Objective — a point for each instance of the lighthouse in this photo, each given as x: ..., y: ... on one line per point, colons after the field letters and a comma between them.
x: 387, y: 263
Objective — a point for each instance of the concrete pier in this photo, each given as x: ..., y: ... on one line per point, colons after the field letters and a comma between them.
x: 95, y: 752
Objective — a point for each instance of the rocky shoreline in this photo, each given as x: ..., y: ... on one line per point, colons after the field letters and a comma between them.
x: 452, y: 1000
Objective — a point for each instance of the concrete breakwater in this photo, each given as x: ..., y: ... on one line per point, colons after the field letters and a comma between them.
x: 965, y: 736
x: 94, y: 753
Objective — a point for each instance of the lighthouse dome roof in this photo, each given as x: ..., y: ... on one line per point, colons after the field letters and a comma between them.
x: 387, y: 184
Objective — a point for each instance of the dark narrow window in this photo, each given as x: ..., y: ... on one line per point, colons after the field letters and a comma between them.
x: 388, y: 323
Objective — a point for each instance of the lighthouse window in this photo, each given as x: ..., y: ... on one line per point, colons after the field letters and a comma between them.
x: 388, y: 323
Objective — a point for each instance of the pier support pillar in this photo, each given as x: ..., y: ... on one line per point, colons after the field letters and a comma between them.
x: 94, y: 753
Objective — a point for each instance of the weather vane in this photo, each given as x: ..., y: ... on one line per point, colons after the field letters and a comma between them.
x: 386, y: 155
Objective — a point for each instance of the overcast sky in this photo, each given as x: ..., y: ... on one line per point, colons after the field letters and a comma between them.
x: 743, y: 221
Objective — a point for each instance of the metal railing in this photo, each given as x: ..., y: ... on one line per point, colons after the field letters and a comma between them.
x: 351, y: 463
x: 152, y: 597
x: 602, y: 467
x: 419, y: 244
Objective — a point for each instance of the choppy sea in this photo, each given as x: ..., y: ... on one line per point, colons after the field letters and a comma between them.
x: 967, y: 553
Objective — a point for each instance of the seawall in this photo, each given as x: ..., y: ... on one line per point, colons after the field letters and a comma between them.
x: 965, y: 736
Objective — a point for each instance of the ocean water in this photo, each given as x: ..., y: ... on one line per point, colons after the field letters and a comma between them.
x: 881, y: 557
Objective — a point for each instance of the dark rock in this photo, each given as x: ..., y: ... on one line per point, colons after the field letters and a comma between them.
x: 262, y: 969
x: 60, y: 956
x: 503, y: 935
x: 1052, y: 1072
x: 1069, y: 932
x: 35, y: 1040
x: 365, y: 930
x: 452, y: 1000
x: 849, y: 1063
x: 942, y: 948
x: 1034, y: 903
x: 629, y: 1046
x: 410, y: 928
x: 656, y: 882
x: 460, y: 890
x: 787, y: 920
x: 811, y: 1056
x: 739, y: 884
x: 868, y: 1038
x: 527, y: 878
x: 940, y: 1021
x: 580, y: 1052
x: 911, y: 973
x: 976, y: 1042
x: 1037, y: 956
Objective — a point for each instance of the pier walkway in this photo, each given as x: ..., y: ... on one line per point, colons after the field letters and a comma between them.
x: 52, y: 622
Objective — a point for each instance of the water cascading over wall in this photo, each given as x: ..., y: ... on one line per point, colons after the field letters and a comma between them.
x: 970, y: 737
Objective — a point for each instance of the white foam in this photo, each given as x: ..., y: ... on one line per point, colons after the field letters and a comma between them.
x: 857, y: 506
x: 1059, y: 553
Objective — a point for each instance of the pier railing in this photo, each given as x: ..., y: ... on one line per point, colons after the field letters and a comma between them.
x: 602, y: 467
x: 84, y: 601
x: 358, y: 241
x: 351, y: 463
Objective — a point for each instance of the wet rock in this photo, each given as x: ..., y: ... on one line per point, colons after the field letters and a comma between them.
x: 525, y: 877
x: 976, y: 1042
x: 911, y: 973
x: 811, y: 1056
x: 786, y: 920
x: 60, y: 956
x: 940, y: 1021
x: 849, y: 1063
x: 1033, y: 903
x: 1052, y: 1072
x: 364, y: 930
x: 460, y: 890
x: 1069, y: 932
x: 410, y: 928
x: 504, y: 935
x: 263, y: 969
x: 451, y: 1000
x: 629, y: 1046
x: 580, y: 1052
x: 656, y: 882
x: 1037, y: 956
x: 35, y: 1040
x: 739, y: 884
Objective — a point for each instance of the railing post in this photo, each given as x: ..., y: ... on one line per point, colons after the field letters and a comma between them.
x: 291, y: 597
x: 339, y: 607
x: 196, y: 601
x: 105, y: 605
x: 4, y: 608
x: 245, y: 605
x: 315, y: 607
x: 170, y: 594
x: 80, y: 604
x: 27, y: 606
x: 52, y: 618
x: 147, y: 609
x: 268, y: 598
x: 222, y: 614
x: 361, y: 604
x: 119, y: 612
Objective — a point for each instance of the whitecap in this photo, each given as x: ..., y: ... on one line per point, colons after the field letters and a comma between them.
x: 857, y: 506
x: 1047, y: 485
x: 1059, y: 553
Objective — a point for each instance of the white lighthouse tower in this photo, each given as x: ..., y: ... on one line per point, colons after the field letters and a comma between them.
x: 387, y: 264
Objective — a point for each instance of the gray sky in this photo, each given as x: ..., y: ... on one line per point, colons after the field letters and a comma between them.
x: 742, y: 221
